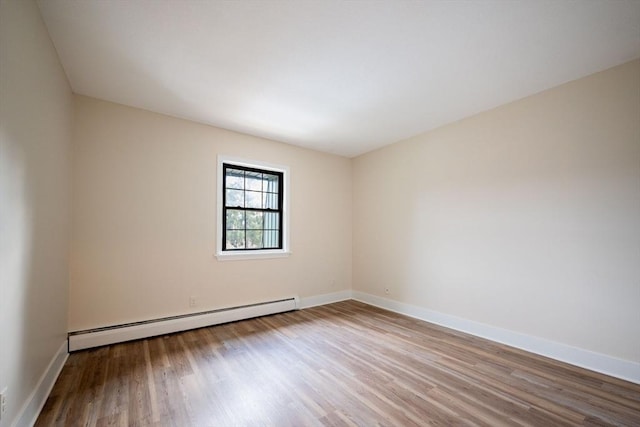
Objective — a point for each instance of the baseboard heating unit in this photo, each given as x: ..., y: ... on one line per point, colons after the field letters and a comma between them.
x: 79, y: 340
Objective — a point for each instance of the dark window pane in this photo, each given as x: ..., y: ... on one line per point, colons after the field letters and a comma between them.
x: 235, y: 239
x: 253, y: 199
x: 235, y: 220
x: 255, y: 220
x: 254, y: 239
x: 235, y: 198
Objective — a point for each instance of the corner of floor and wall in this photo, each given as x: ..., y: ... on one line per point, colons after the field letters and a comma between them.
x: 519, y: 224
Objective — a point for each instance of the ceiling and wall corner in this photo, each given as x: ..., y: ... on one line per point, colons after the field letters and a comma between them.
x: 335, y: 76
x: 455, y: 206
x: 525, y: 217
x: 340, y: 77
x: 144, y: 219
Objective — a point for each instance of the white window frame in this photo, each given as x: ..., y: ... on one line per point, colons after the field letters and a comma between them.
x: 252, y: 254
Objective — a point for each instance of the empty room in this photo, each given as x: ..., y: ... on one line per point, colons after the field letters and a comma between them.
x: 319, y: 213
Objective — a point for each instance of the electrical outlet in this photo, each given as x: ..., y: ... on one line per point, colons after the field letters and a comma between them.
x: 3, y: 402
x: 192, y: 301
x: 386, y: 291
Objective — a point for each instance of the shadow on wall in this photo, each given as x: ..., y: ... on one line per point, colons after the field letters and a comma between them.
x: 23, y: 250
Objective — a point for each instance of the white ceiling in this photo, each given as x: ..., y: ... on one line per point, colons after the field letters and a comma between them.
x: 343, y: 77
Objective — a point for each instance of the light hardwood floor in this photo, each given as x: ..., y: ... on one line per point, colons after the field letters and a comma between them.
x: 344, y: 364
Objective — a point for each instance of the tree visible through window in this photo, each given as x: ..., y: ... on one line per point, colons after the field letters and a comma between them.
x: 252, y: 208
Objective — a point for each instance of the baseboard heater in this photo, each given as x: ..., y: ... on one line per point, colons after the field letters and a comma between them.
x: 79, y: 340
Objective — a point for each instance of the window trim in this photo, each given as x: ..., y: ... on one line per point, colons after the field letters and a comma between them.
x: 251, y: 253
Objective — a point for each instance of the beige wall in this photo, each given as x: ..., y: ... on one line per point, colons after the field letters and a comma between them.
x: 144, y: 219
x: 526, y: 217
x: 35, y: 134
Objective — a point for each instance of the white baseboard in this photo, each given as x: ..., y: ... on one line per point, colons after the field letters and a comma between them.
x: 323, y: 299
x: 31, y: 409
x: 116, y: 334
x: 122, y: 333
x: 598, y: 362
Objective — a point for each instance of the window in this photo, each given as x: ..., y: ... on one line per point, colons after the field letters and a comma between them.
x: 252, y: 203
x: 252, y: 210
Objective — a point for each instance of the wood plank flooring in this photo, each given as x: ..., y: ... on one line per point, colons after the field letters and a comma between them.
x: 344, y: 364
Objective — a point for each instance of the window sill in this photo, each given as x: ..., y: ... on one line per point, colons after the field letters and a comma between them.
x: 244, y: 255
